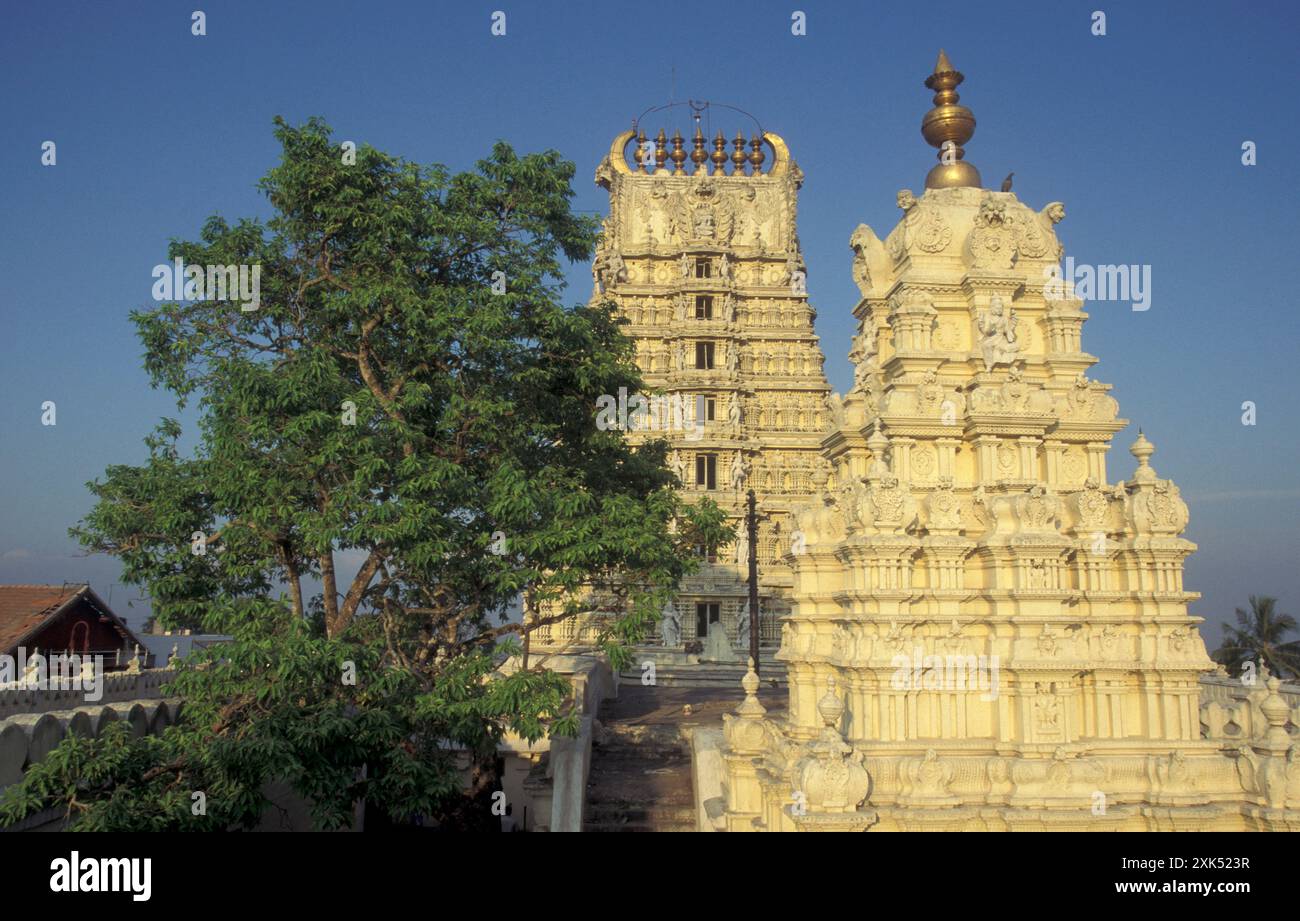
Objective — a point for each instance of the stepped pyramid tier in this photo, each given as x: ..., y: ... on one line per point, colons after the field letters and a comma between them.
x: 998, y: 629
x: 701, y: 256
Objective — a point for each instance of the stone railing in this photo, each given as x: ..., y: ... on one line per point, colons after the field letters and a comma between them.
x: 118, y: 687
x: 549, y: 776
x: 1230, y: 710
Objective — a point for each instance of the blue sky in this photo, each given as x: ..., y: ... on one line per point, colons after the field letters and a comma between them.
x: 1139, y: 132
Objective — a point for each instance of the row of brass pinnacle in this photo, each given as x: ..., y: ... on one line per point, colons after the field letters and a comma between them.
x: 706, y: 163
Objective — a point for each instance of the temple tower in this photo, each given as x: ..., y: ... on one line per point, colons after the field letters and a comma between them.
x: 702, y: 259
x: 983, y: 620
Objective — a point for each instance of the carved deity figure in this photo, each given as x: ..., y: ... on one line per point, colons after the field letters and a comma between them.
x: 670, y: 626
x: 738, y: 472
x: 835, y: 411
x: 862, y: 353
x: 734, y: 414
x: 1047, y: 710
x: 702, y: 224
x: 742, y: 548
x: 998, y: 341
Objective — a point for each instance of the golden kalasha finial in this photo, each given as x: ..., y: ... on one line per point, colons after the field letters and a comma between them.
x: 719, y: 156
x: 738, y: 155
x: 661, y: 152
x: 948, y: 126
x: 678, y: 155
x: 642, y: 152
x: 698, y: 156
x: 756, y: 157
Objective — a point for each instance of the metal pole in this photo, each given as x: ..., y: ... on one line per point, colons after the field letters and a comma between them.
x: 752, y: 523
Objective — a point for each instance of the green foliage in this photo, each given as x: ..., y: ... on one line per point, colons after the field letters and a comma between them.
x: 474, y: 417
x: 1261, y: 635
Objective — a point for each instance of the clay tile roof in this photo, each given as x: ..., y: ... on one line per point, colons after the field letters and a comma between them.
x: 23, y: 608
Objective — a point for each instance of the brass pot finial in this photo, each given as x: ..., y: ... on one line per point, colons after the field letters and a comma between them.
x: 948, y: 126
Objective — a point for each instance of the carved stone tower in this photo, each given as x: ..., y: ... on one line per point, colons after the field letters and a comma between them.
x: 983, y: 620
x: 703, y: 262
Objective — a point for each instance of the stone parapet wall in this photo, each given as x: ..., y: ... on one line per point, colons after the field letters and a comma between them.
x: 118, y: 686
x: 1230, y: 710
x: 26, y: 738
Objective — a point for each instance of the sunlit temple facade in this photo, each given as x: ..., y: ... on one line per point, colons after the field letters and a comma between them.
x: 700, y: 254
x: 989, y: 627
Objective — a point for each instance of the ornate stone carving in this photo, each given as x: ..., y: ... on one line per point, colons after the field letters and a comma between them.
x: 999, y: 343
x: 942, y: 510
x: 992, y: 241
x: 831, y: 777
x: 928, y: 230
x: 670, y: 625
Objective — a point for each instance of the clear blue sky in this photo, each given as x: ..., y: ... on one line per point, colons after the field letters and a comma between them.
x: 1138, y: 132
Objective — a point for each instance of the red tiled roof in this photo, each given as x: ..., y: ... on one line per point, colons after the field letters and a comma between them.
x: 23, y: 608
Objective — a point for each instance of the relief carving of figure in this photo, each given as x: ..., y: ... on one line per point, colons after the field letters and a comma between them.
x: 679, y: 466
x: 702, y: 224
x: 929, y: 396
x: 1015, y: 392
x: 607, y: 269
x: 739, y: 471
x: 1039, y: 574
x: 835, y: 405
x: 1047, y: 710
x: 999, y: 343
x: 992, y: 243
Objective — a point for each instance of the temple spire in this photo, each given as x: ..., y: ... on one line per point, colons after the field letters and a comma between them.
x: 948, y: 126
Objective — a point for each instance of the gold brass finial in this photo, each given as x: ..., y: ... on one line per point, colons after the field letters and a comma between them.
x: 757, y: 156
x: 738, y: 155
x: 719, y: 156
x: 642, y: 153
x: 678, y: 155
x: 698, y: 156
x: 948, y: 126
x: 661, y: 153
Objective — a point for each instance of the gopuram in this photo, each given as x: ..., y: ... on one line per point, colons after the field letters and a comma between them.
x: 701, y: 256
x: 987, y: 631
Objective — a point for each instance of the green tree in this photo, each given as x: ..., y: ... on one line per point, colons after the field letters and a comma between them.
x: 1260, y: 635
x: 406, y: 420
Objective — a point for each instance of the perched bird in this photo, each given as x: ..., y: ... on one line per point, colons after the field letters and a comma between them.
x: 1006, y: 183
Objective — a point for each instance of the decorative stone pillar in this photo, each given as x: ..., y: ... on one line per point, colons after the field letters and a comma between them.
x: 832, y: 781
x: 745, y: 734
